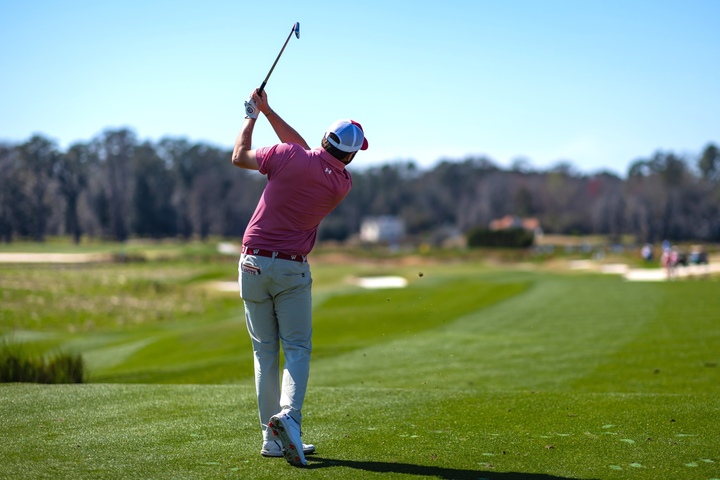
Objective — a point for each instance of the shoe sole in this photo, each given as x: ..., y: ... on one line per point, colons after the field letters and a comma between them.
x: 290, y: 451
x: 306, y: 451
x: 271, y: 454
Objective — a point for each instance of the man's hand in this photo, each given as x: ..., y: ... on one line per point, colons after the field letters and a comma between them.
x: 251, y: 108
x: 261, y: 101
x: 257, y: 103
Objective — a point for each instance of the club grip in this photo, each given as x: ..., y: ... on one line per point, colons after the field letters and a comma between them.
x: 262, y: 87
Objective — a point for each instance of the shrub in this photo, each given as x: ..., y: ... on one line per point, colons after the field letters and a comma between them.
x: 510, y: 238
x: 16, y: 365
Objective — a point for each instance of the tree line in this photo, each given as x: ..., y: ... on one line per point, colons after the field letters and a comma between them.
x: 117, y: 187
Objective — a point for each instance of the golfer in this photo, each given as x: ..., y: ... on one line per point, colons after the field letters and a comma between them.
x: 304, y: 186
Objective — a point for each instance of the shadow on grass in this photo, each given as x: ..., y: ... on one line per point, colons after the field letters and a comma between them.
x: 428, y: 471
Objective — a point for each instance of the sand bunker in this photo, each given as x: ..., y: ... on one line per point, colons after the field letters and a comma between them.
x: 381, y: 282
x: 53, y: 257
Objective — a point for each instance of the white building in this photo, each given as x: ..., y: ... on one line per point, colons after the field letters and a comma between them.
x: 382, y: 229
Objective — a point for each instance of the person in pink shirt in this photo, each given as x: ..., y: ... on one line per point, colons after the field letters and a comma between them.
x: 304, y: 186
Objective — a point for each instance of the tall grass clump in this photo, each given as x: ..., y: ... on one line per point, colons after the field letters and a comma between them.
x: 18, y: 365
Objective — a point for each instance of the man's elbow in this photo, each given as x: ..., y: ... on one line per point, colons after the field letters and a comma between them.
x: 243, y: 159
x: 237, y: 161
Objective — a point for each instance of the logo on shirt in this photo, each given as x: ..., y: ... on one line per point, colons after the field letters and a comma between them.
x: 328, y: 171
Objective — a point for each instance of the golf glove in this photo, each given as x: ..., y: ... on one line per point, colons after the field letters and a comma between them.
x: 251, y: 110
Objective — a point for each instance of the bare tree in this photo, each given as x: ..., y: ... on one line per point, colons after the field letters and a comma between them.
x: 11, y: 195
x: 709, y: 163
x: 38, y: 160
x: 72, y: 171
x: 115, y: 150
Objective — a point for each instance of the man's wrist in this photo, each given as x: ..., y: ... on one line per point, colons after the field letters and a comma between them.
x: 269, y: 112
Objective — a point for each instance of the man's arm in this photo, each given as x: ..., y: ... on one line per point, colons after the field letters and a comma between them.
x: 285, y: 132
x: 243, y: 155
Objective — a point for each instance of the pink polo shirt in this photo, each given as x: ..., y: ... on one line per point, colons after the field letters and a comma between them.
x: 303, y: 187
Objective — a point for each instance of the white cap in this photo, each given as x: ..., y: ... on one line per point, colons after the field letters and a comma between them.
x: 348, y: 136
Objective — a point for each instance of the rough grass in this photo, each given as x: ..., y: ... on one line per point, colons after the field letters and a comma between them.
x: 93, y: 297
x: 468, y: 373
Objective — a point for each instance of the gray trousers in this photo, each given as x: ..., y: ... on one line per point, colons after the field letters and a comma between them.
x: 278, y: 311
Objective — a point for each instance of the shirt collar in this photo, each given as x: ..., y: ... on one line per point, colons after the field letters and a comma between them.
x: 330, y: 159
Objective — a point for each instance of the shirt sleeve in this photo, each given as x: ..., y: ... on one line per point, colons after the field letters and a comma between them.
x: 272, y: 159
x: 263, y: 154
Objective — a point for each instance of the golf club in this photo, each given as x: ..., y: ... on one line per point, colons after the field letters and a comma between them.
x: 296, y: 31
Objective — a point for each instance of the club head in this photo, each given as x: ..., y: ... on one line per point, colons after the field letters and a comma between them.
x: 296, y: 29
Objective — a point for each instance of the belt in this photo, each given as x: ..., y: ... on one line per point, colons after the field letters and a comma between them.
x: 267, y: 253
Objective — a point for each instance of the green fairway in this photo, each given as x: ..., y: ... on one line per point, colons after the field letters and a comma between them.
x: 192, y: 431
x: 470, y: 372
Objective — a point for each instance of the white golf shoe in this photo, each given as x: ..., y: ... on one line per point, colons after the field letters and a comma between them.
x: 273, y: 448
x: 287, y: 430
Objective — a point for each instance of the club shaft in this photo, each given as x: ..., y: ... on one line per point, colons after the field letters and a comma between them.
x: 262, y: 87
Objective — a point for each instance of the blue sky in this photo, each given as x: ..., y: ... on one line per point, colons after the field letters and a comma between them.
x: 596, y: 83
